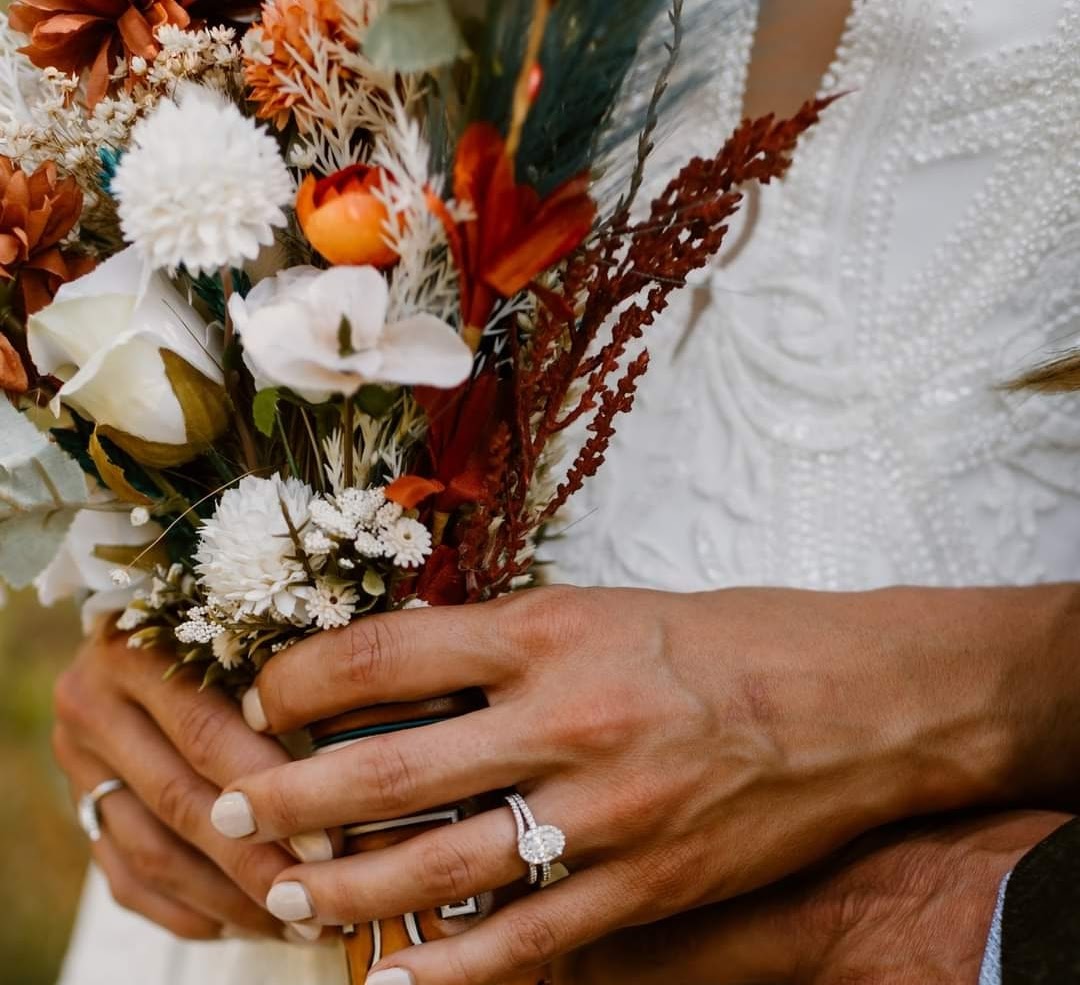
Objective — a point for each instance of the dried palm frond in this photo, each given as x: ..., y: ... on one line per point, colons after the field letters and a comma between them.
x: 1060, y: 375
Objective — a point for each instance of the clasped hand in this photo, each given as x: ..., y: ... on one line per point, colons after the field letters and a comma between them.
x: 691, y: 747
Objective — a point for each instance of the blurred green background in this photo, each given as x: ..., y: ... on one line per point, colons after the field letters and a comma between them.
x: 42, y: 852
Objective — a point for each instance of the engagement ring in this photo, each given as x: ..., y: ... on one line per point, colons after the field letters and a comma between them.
x: 538, y: 844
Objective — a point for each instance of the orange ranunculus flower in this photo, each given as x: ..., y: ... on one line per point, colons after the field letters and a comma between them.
x: 344, y: 220
x: 515, y: 235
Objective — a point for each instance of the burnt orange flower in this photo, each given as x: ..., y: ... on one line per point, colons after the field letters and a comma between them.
x: 409, y: 491
x: 36, y: 212
x: 13, y: 375
x: 283, y: 32
x: 343, y: 219
x: 88, y: 37
x: 515, y: 235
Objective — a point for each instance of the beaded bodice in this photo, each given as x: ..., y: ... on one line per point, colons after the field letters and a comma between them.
x: 830, y: 416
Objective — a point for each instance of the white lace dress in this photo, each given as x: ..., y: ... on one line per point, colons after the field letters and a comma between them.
x: 831, y: 419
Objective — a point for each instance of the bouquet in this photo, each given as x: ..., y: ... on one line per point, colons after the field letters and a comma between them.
x: 327, y: 308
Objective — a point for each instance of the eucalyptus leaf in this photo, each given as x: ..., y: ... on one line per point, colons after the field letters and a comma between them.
x: 373, y: 583
x: 414, y: 36
x: 41, y: 489
x: 264, y: 410
x: 375, y: 400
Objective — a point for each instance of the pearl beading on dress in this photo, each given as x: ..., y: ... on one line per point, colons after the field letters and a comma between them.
x: 835, y: 419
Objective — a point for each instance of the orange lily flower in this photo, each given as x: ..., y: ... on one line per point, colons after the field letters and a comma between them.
x: 515, y: 235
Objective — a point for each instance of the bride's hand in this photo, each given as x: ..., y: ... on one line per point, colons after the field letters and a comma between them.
x: 692, y: 747
x: 175, y: 748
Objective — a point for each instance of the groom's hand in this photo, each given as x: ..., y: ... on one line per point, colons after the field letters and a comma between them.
x: 902, y: 907
x: 175, y: 748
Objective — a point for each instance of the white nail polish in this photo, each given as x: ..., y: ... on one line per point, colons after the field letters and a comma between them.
x: 289, y: 901
x: 301, y: 933
x: 232, y: 815
x: 315, y: 846
x: 251, y: 705
x: 391, y: 976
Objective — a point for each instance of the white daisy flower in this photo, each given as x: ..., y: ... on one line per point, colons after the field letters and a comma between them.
x: 140, y: 516
x: 408, y: 542
x: 331, y: 604
x: 246, y: 556
x: 202, y: 186
x: 228, y: 649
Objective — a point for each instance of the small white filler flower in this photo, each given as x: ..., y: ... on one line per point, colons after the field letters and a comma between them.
x: 202, y: 185
x: 246, y: 555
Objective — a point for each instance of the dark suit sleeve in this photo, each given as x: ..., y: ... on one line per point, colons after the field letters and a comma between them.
x: 1040, y: 936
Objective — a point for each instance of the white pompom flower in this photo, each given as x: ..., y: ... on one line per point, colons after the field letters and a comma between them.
x: 202, y: 186
x: 246, y: 556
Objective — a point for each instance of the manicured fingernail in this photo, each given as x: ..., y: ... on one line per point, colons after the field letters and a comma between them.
x: 289, y: 901
x: 391, y: 976
x: 253, y: 711
x: 315, y: 846
x: 302, y: 933
x: 232, y: 815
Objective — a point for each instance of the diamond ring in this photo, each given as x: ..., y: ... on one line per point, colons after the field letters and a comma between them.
x: 538, y: 844
x: 89, y: 818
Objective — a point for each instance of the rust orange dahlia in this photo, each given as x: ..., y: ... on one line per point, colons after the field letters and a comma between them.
x: 88, y: 37
x: 36, y: 212
x: 278, y: 42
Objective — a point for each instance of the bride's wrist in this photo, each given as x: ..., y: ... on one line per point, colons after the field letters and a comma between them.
x: 985, y: 693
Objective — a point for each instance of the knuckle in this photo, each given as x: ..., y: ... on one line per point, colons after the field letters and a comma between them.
x: 447, y: 872
x: 543, y: 621
x: 202, y: 733
x: 175, y: 803
x: 249, y: 868
x: 71, y: 702
x: 369, y: 656
x: 529, y: 941
x: 394, y: 776
x: 281, y: 811
x: 154, y: 863
x: 125, y: 891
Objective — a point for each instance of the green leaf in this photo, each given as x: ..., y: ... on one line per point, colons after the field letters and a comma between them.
x: 264, y: 410
x: 374, y: 400
x: 414, y: 36
x: 41, y: 489
x: 373, y: 583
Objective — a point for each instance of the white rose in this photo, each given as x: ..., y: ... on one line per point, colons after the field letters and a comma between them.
x: 322, y: 333
x: 79, y: 567
x: 136, y: 359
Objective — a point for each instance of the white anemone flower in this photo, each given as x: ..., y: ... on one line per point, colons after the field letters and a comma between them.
x: 202, y: 186
x: 246, y: 555
x: 322, y: 333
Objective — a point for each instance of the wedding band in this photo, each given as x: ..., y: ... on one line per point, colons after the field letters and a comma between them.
x: 89, y: 817
x: 538, y: 844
